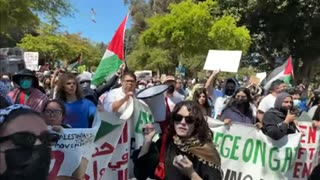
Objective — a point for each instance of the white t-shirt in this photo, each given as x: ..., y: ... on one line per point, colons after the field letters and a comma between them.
x: 111, y: 97
x: 267, y: 103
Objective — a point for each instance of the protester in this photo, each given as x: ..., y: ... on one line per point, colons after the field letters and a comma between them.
x: 240, y: 108
x: 93, y: 94
x: 171, y: 97
x: 315, y: 174
x: 229, y: 88
x: 267, y: 102
x: 316, y: 117
x: 27, y: 91
x: 315, y: 98
x: 142, y: 84
x: 279, y: 121
x: 7, y: 81
x: 47, y: 86
x: 179, y: 89
x: 189, y: 88
x: 257, y: 93
x: 5, y: 100
x: 213, y: 92
x: 201, y: 98
x: 116, y: 98
x: 24, y: 144
x: 185, y: 152
x: 79, y: 111
x: 55, y: 112
x: 54, y: 80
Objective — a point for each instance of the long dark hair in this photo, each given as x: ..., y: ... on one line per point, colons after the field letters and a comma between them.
x: 201, y: 129
x: 206, y: 104
x: 233, y: 101
x: 316, y: 115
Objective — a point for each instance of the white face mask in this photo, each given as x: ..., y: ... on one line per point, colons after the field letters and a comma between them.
x: 296, y: 102
x: 140, y: 86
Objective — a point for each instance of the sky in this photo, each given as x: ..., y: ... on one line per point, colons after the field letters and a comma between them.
x: 109, y: 14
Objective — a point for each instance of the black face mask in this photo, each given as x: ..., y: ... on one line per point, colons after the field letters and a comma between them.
x: 27, y: 163
x: 170, y: 89
x: 241, y: 102
x: 229, y: 92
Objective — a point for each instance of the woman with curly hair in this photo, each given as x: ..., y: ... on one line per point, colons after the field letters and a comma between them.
x: 200, y: 97
x: 185, y: 151
x: 79, y: 111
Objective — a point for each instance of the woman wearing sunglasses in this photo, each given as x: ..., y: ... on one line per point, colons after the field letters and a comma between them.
x: 24, y: 144
x: 185, y: 151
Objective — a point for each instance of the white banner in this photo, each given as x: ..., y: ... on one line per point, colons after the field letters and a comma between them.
x: 70, y: 156
x: 32, y: 60
x: 115, y: 141
x: 247, y: 154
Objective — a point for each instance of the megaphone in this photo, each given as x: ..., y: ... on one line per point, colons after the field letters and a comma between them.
x: 154, y: 98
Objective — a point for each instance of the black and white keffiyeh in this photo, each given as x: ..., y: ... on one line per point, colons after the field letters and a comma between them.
x: 6, y: 111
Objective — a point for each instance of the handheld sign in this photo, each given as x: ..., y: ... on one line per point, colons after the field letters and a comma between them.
x: 261, y: 76
x: 224, y: 60
x: 32, y: 60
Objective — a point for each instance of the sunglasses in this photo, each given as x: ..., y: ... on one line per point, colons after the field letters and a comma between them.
x: 82, y: 82
x: 188, y: 119
x: 54, y: 112
x: 28, y: 139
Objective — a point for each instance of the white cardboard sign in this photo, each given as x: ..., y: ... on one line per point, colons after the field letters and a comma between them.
x: 261, y: 76
x: 32, y: 60
x: 226, y: 61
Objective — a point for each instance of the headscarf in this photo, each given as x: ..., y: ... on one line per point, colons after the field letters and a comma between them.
x: 5, y: 112
x: 279, y: 100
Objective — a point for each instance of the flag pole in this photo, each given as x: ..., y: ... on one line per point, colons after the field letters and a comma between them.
x: 125, y: 44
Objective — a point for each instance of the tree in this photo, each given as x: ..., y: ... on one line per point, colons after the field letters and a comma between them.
x: 19, y: 17
x: 53, y: 45
x: 187, y: 32
x: 280, y: 29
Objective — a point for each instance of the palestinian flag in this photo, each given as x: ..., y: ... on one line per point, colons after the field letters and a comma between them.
x: 75, y: 63
x: 284, y: 72
x: 113, y: 57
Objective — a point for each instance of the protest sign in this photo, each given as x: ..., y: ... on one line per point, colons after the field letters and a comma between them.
x: 261, y: 76
x: 32, y: 60
x: 143, y: 75
x: 70, y: 155
x: 308, y: 152
x: 226, y: 61
x: 115, y: 141
x: 246, y: 153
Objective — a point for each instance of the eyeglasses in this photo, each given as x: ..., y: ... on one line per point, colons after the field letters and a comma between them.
x: 178, y: 118
x: 28, y: 139
x: 82, y: 82
x: 54, y: 112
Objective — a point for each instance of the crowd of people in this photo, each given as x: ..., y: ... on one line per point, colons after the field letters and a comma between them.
x: 30, y: 101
